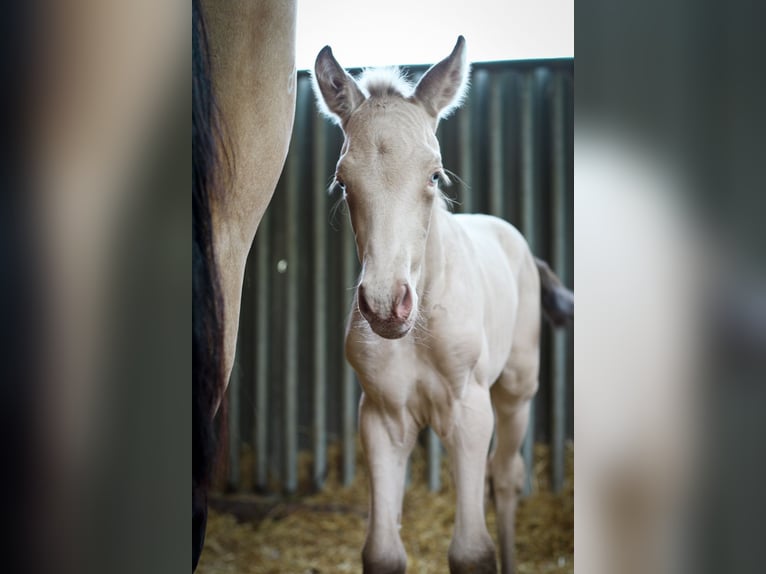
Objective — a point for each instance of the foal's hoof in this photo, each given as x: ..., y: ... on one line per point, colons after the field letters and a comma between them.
x: 484, y: 563
x: 383, y: 566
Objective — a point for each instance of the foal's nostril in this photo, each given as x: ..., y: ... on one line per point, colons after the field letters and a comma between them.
x: 364, y: 308
x: 403, y: 302
x: 400, y: 310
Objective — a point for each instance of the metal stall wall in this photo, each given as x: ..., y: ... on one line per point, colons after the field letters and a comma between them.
x: 292, y: 393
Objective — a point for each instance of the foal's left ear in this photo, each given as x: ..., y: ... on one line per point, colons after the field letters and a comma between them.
x: 442, y: 88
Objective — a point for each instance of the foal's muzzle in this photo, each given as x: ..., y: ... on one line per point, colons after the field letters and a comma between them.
x: 390, y: 318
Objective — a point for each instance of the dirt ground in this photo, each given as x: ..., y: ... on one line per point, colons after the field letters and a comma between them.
x: 324, y: 533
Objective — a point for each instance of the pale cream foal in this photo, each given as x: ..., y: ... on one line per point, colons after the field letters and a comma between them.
x: 446, y: 321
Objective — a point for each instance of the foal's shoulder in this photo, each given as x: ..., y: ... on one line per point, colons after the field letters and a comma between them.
x: 505, y: 232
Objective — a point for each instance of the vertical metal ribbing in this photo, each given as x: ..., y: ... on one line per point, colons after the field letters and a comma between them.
x: 434, y: 461
x: 291, y: 355
x: 408, y: 473
x: 528, y: 224
x: 348, y: 382
x: 558, y: 224
x: 465, y: 155
x: 319, y: 286
x: 291, y: 306
x: 496, y: 184
x: 495, y: 181
x: 233, y: 425
x: 262, y: 346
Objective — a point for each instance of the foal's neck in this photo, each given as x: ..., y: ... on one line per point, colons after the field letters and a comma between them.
x: 435, y: 254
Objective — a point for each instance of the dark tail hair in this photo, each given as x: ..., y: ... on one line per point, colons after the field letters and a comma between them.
x: 557, y: 300
x: 207, y: 302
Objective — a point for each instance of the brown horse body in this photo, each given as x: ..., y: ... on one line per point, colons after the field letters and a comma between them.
x: 252, y: 52
x: 244, y: 74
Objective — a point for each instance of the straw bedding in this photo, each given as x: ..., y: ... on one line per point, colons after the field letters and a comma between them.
x: 324, y: 533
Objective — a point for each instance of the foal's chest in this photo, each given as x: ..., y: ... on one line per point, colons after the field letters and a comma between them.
x: 422, y: 373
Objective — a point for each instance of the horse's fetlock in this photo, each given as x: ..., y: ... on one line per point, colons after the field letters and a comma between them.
x: 391, y: 561
x: 477, y: 561
x: 383, y: 565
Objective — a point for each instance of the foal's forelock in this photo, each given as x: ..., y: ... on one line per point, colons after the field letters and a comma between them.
x: 389, y: 81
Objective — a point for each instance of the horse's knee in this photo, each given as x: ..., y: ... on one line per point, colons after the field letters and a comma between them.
x: 473, y: 559
x: 514, y: 389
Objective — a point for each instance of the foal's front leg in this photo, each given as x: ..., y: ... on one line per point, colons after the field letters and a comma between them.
x: 471, y: 549
x: 387, y: 440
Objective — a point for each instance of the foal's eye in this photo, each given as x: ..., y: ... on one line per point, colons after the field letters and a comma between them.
x: 435, y: 177
x: 340, y: 184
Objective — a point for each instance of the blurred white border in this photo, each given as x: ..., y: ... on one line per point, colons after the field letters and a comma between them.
x: 422, y: 32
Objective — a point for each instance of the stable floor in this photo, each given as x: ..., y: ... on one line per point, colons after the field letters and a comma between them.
x: 324, y: 533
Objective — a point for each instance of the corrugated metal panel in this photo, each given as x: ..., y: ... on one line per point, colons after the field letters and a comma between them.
x: 292, y: 391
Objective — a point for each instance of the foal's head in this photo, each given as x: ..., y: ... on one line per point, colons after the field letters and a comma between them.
x: 389, y: 170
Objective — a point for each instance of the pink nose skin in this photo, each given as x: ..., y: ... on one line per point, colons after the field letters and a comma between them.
x: 400, y: 309
x: 402, y: 303
x: 364, y: 307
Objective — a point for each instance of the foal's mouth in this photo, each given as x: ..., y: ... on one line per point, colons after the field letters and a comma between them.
x: 390, y: 328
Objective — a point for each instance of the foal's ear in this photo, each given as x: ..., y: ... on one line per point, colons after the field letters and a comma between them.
x: 442, y: 88
x: 337, y: 93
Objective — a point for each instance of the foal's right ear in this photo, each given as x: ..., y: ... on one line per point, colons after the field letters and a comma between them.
x: 337, y: 93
